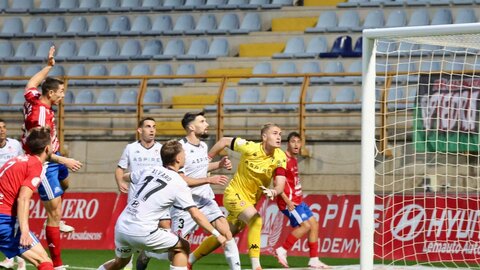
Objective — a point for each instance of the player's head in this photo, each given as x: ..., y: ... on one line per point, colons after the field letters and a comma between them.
x: 53, y: 89
x: 147, y: 129
x: 271, y: 135
x: 196, y: 123
x: 39, y: 142
x: 172, y: 154
x: 3, y: 131
x: 294, y: 143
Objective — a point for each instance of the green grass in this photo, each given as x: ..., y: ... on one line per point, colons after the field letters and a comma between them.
x: 94, y: 258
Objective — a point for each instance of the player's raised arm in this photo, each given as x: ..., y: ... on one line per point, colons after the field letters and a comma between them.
x: 219, y: 146
x: 37, y: 79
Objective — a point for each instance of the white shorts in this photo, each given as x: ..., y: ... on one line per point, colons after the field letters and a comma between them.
x: 158, y: 241
x: 183, y: 224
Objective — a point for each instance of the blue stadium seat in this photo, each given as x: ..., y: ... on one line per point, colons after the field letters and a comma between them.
x: 130, y: 49
x: 76, y: 70
x: 184, y: 23
x: 65, y: 51
x: 354, y: 67
x: 29, y: 72
x: 20, y: 6
x: 344, y: 100
x: 106, y: 100
x: 69, y: 98
x: 140, y: 25
x: 152, y: 99
x: 88, y: 48
x: 396, y: 18
x: 24, y: 51
x: 119, y: 26
x: 395, y: 97
x: 278, y: 4
x: 150, y: 49
x: 3, y: 5
x: 17, y: 101
x: 98, y: 26
x: 109, y: 50
x: 57, y: 71
x: 409, y: 67
x: 42, y: 51
x: 320, y: 99
x: 274, y: 95
x: 419, y: 17
x: 331, y: 67
x: 326, y: 20
x: 161, y: 25
x: 11, y: 71
x: 374, y: 19
x: 228, y: 23
x: 349, y: 20
x: 248, y: 96
x: 250, y: 23
x: 11, y: 27
x: 67, y: 5
x: 255, y: 4
x: 118, y: 70
x: 229, y: 98
x: 4, y: 100
x: 183, y: 69
x: 284, y: 68
x: 127, y: 5
x: 107, y: 5
x: 174, y: 48
x: 212, y: 4
x: 232, y: 4
x: 82, y: 99
x: 373, y: 3
x: 35, y: 26
x: 172, y: 4
x: 55, y: 25
x: 295, y: 45
x: 87, y: 5
x: 191, y: 5
x: 342, y: 46
x: 292, y: 101
x: 138, y: 70
x: 150, y: 5
x: 46, y: 6
x: 315, y: 47
x: 161, y: 70
x: 351, y: 3
x: 260, y: 68
x: 218, y: 48
x: 205, y: 23
x: 442, y: 16
x: 465, y: 15
x: 78, y: 25
x: 95, y: 70
x: 128, y: 99
x: 197, y: 48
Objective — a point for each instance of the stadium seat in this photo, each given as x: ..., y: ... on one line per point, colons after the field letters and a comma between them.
x: 17, y: 101
x: 197, y: 48
x: 228, y: 23
x: 311, y: 67
x: 3, y: 5
x: 46, y: 6
x: 254, y: 4
x: 293, y: 100
x: 57, y: 71
x: 149, y: 5
x: 191, y: 5
x: 295, y: 45
x: 320, y: 97
x: 373, y: 3
x: 109, y: 50
x: 29, y: 72
x: 354, y: 67
x: 396, y: 18
x: 130, y: 49
x: 65, y: 51
x: 250, y: 23
x: 212, y: 4
x: 218, y: 48
x: 138, y: 70
x: 442, y: 16
x: 35, y: 25
x: 342, y: 46
x: 278, y: 4
x: 462, y: 2
x: 233, y: 4
x: 453, y: 67
x: 382, y: 68
x: 284, y: 68
x: 344, y: 99
x: 230, y: 97
x: 205, y: 23
x: 119, y: 26
x: 151, y: 48
x: 395, y: 97
x: 465, y: 15
x: 11, y: 71
x: 128, y: 99
x: 24, y: 51
x: 105, y: 101
x: 118, y: 70
x: 174, y: 48
x: 404, y: 78
x: 87, y: 5
x: 161, y: 70
x: 11, y: 27
x: 386, y: 48
x: 183, y: 69
x: 76, y: 70
x: 348, y: 21
x: 315, y: 46
x: 42, y: 51
x: 4, y: 100
x: 127, y: 5
x: 20, y: 6
x: 95, y: 70
x: 184, y: 23
x: 326, y: 20
x: 374, y: 19
x: 87, y: 49
x: 260, y: 68
x: 172, y: 4
x: 351, y: 3
x: 419, y: 17
x: 82, y: 99
x: 98, y: 26
x: 274, y: 95
x: 331, y: 67
x: 152, y: 99
x: 161, y: 25
x: 66, y: 6
x: 69, y: 98
x: 78, y: 25
x: 248, y: 96
x: 107, y: 5
x: 140, y: 25
x: 55, y: 25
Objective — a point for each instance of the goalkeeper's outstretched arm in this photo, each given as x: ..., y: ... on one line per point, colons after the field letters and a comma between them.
x: 219, y: 146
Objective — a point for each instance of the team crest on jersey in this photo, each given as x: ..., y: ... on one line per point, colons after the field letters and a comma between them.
x: 135, y: 204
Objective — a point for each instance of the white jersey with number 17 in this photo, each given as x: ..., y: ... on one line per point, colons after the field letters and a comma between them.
x: 158, y: 188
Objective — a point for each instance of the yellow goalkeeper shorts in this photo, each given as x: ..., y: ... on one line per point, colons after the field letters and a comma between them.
x: 235, y: 202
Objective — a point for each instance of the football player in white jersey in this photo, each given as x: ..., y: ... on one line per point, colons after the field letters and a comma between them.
x: 9, y: 148
x: 158, y: 188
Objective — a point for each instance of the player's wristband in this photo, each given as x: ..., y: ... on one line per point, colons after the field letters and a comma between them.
x: 215, y: 233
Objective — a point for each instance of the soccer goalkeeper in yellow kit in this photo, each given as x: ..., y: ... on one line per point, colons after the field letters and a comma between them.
x: 258, y: 163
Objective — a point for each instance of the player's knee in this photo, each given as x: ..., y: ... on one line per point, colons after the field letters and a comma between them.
x: 306, y: 225
x: 182, y: 246
x: 313, y: 223
x: 256, y: 222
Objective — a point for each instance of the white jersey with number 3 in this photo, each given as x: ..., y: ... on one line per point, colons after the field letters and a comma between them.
x: 136, y: 157
x: 158, y: 188
x: 196, y: 166
x: 12, y: 149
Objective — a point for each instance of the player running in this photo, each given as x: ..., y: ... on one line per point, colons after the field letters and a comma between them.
x: 158, y: 189
x: 300, y: 216
x: 38, y: 112
x: 19, y: 178
x: 258, y: 164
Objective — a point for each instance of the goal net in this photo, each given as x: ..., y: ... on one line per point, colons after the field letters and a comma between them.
x: 420, y: 148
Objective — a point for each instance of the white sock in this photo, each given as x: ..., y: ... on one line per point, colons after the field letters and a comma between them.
x: 255, y: 263
x: 130, y: 263
x: 178, y: 267
x: 158, y: 256
x: 20, y: 259
x: 192, y: 259
x: 101, y: 267
x: 8, y: 259
x: 231, y: 254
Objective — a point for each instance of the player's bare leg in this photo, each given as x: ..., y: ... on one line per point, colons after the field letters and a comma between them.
x: 37, y: 256
x: 297, y: 233
x: 144, y: 257
x: 52, y: 230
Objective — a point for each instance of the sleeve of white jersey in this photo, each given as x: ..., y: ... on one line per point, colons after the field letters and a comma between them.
x: 183, y: 197
x: 123, y: 162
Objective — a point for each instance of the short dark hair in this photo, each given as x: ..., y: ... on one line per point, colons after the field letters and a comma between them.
x: 190, y: 117
x: 169, y: 152
x: 38, y: 138
x: 266, y: 127
x: 140, y: 124
x: 292, y: 135
x: 51, y: 83
x: 1, y: 120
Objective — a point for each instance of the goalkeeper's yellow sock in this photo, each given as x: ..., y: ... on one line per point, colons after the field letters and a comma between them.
x: 207, y: 246
x: 254, y: 234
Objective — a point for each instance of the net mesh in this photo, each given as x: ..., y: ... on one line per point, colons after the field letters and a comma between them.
x: 427, y: 144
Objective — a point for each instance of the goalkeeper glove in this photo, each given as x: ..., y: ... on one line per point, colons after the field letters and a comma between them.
x: 270, y: 193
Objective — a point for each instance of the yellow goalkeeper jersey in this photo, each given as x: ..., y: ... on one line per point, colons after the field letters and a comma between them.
x: 255, y: 168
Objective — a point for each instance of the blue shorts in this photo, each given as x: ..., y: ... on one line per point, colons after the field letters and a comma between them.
x: 62, y: 172
x: 50, y: 187
x: 10, y: 239
x: 300, y: 214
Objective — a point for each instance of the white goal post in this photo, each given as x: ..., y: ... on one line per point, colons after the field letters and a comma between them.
x: 420, y: 187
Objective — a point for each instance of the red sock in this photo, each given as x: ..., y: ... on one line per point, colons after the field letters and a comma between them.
x: 289, y: 242
x: 313, y: 249
x: 53, y: 241
x: 45, y: 266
